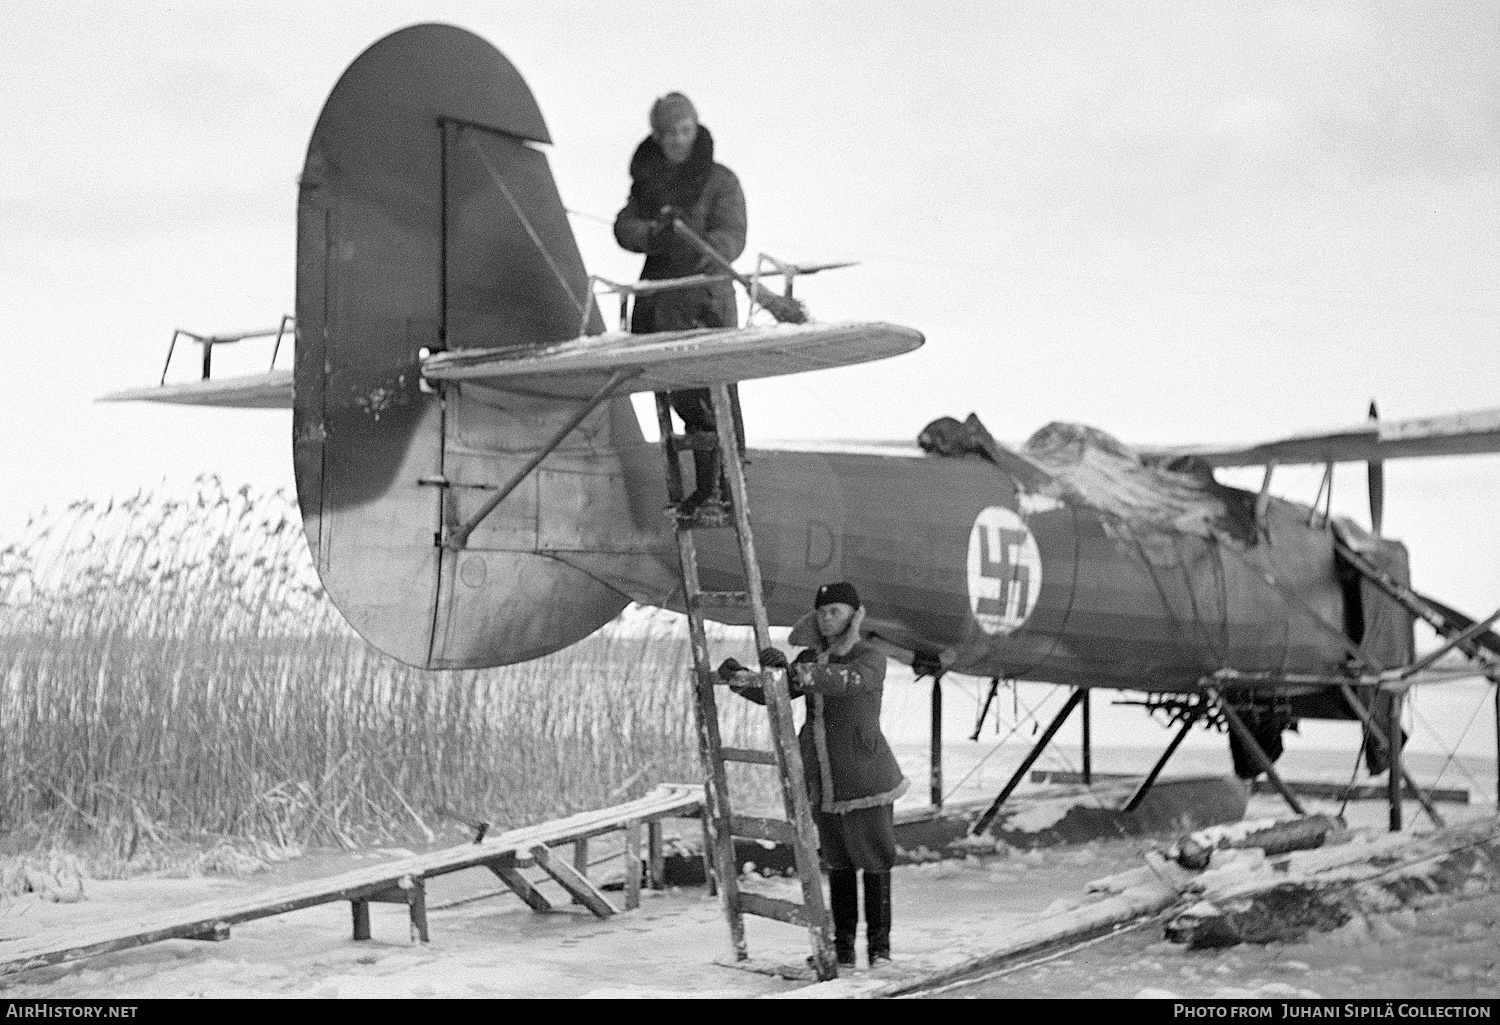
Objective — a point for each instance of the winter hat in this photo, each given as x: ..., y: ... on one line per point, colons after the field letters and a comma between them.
x: 671, y: 109
x: 843, y: 591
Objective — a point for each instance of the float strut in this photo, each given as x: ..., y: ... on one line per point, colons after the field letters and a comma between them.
x: 983, y: 822
x: 935, y: 778
x: 1161, y: 763
x: 1240, y: 730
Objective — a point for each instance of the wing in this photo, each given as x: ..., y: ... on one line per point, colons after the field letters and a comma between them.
x: 271, y: 390
x: 671, y: 360
x: 1470, y: 433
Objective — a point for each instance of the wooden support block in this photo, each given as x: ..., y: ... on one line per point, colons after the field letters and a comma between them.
x: 361, y: 913
x: 656, y: 863
x: 417, y: 907
x: 215, y: 933
x: 511, y: 876
x: 581, y: 860
x: 632, y: 865
x: 569, y: 879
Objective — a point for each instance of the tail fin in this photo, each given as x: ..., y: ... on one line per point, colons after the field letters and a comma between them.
x: 428, y: 221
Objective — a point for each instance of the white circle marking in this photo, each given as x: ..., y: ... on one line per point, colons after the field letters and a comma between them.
x: 1005, y: 570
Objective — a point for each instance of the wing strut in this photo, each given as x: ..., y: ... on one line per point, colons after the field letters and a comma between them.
x: 460, y: 537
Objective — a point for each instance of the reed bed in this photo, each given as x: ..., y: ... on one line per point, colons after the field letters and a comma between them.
x: 170, y: 669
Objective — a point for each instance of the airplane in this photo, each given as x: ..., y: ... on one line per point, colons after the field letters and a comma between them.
x: 476, y: 490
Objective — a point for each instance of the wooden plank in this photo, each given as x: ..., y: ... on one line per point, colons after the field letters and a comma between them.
x: 569, y: 879
x: 632, y: 865
x: 666, y: 801
x: 758, y: 828
x: 218, y: 933
x: 1303, y: 788
x: 773, y: 907
x: 1364, y: 791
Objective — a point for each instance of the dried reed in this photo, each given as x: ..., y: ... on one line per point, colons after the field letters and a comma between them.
x: 170, y: 668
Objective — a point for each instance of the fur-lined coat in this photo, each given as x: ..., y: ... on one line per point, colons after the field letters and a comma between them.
x: 712, y: 205
x: 848, y: 763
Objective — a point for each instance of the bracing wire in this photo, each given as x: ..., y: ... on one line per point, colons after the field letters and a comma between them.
x: 1453, y: 752
x: 562, y: 279
x: 588, y: 216
x: 1020, y: 722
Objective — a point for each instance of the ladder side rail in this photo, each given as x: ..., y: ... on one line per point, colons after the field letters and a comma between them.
x: 791, y: 774
x: 716, y: 812
x: 669, y: 447
x: 734, y: 470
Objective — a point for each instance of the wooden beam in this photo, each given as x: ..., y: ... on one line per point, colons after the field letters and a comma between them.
x: 656, y: 862
x: 511, y: 876
x: 569, y: 879
x: 216, y: 933
x: 360, y: 911
x: 581, y: 860
x: 632, y: 865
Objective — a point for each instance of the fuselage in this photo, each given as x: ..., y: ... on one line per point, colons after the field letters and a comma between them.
x: 951, y: 559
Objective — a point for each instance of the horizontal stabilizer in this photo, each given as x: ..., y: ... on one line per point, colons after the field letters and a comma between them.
x: 671, y: 360
x: 1454, y: 434
x: 271, y: 390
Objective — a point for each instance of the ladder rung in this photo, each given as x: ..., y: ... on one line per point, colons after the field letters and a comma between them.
x: 702, y: 518
x: 771, y: 907
x: 706, y: 441
x: 754, y: 828
x: 722, y: 599
x: 746, y: 754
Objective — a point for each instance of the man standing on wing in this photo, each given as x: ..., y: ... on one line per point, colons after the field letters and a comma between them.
x: 673, y: 175
x: 852, y: 777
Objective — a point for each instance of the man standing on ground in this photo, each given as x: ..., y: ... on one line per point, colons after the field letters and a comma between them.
x: 673, y: 175
x: 853, y: 779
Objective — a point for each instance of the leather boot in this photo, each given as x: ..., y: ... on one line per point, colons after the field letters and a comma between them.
x: 843, y: 899
x: 707, y: 475
x: 878, y: 917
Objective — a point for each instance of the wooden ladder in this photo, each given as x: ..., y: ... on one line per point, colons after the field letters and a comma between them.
x: 721, y: 825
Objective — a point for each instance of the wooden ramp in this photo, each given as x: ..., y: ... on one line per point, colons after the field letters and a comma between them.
x: 401, y: 882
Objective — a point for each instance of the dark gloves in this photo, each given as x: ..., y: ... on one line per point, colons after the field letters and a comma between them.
x: 729, y: 667
x: 771, y: 658
x: 662, y: 228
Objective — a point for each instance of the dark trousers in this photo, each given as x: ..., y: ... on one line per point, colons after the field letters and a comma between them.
x: 696, y: 407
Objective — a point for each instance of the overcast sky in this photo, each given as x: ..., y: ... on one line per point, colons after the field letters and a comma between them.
x: 1177, y: 222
